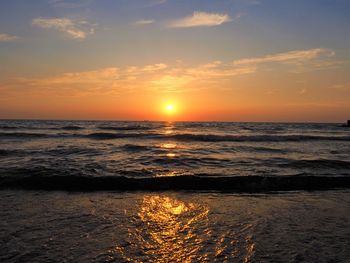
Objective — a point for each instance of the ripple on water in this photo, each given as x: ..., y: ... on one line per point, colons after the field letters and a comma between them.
x: 167, y: 229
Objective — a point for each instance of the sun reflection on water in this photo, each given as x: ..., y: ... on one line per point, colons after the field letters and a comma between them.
x: 168, y: 145
x: 169, y: 128
x: 172, y: 173
x: 167, y: 229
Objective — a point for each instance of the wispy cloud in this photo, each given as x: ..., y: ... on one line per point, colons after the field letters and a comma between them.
x: 74, y: 29
x: 100, y: 76
x: 144, y: 22
x: 302, y: 91
x: 101, y: 81
x: 201, y: 19
x: 151, y: 3
x: 164, y: 78
x: 296, y: 56
x: 147, y: 68
x: 7, y: 38
x: 218, y: 69
x: 70, y: 3
x: 171, y: 83
x: 252, y: 2
x: 341, y: 86
x: 159, y: 78
x: 158, y: 2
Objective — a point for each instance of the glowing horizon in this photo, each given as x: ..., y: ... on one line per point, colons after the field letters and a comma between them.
x: 260, y: 61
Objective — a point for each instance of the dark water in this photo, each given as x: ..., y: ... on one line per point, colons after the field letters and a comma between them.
x: 69, y: 149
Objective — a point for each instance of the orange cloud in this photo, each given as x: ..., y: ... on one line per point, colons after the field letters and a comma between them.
x: 163, y: 78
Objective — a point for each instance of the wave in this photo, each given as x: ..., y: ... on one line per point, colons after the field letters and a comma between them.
x: 71, y: 128
x: 135, y: 148
x: 262, y: 149
x: 255, y: 138
x: 219, y: 138
x: 108, y: 136
x: 181, y: 136
x: 6, y: 152
x: 317, y: 163
x: 125, y: 128
x: 203, y: 183
x: 21, y: 127
x: 8, y: 127
x: 22, y: 135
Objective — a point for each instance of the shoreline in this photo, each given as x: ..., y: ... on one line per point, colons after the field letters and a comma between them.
x: 244, y: 184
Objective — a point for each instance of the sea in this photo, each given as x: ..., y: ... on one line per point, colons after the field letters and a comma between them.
x: 123, y: 191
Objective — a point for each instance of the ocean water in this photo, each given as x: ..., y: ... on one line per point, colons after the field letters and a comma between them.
x: 103, y: 191
x: 63, y: 150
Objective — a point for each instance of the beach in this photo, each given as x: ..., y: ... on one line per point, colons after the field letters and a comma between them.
x: 39, y: 226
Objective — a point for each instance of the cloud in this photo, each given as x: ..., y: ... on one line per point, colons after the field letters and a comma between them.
x: 218, y: 69
x: 147, y: 68
x: 201, y: 19
x: 302, y: 91
x: 297, y: 56
x: 341, y: 86
x: 170, y: 83
x: 95, y: 76
x: 157, y: 2
x: 70, y: 3
x: 252, y: 2
x: 159, y: 78
x: 7, y: 38
x: 74, y: 29
x: 163, y: 78
x: 111, y: 80
x: 144, y: 22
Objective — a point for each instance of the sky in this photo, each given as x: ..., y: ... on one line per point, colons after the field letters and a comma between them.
x: 211, y: 60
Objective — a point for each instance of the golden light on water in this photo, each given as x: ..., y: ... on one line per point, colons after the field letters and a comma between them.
x: 169, y: 128
x: 168, y: 145
x: 170, y: 229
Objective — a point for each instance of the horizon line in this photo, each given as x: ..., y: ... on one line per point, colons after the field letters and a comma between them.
x: 130, y: 120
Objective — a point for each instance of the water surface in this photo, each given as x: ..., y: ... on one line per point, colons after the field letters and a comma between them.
x: 156, y: 149
x: 174, y: 227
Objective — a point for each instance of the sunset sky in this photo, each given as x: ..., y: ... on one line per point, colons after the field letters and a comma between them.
x: 220, y: 60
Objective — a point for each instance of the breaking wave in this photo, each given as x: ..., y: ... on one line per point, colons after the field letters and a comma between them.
x: 176, y: 183
x: 125, y: 128
x: 180, y: 136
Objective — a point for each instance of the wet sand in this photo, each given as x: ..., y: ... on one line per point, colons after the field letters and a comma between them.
x: 39, y: 226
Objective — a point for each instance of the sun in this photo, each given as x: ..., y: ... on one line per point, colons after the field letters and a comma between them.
x: 169, y: 108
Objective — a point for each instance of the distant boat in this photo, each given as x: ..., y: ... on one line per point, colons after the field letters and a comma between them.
x: 346, y: 124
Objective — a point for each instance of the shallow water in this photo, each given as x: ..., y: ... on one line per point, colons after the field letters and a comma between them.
x: 174, y: 227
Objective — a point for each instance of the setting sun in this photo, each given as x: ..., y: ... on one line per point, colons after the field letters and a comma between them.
x: 170, y: 108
